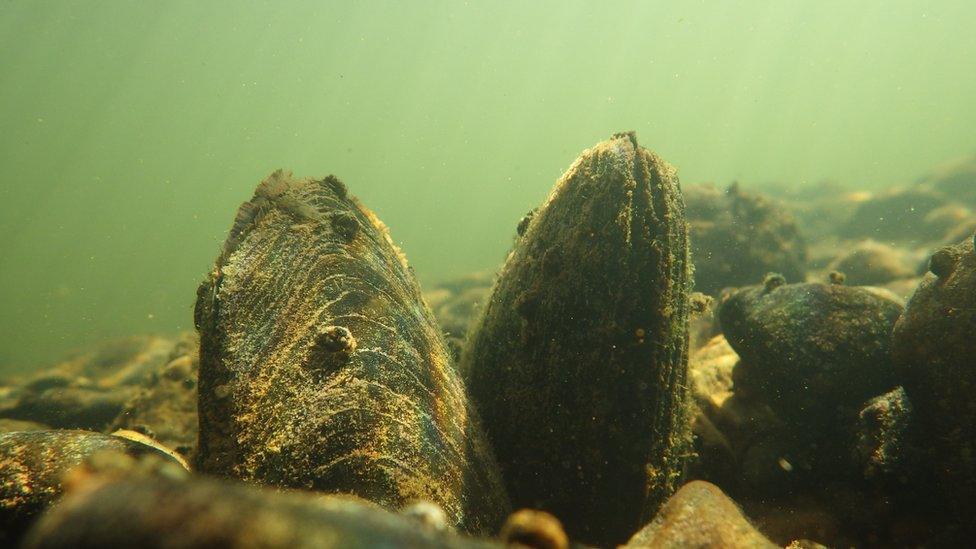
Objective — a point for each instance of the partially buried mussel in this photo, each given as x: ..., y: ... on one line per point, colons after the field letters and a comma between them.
x: 33, y: 465
x: 578, y: 363
x: 322, y: 368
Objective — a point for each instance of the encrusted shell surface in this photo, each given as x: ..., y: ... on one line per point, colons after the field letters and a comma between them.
x: 579, y: 360
x: 322, y: 367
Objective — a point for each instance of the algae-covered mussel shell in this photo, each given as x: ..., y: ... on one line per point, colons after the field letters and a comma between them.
x: 32, y: 467
x: 321, y: 367
x: 578, y: 362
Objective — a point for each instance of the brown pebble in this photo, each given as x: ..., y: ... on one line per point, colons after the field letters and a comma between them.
x: 700, y: 515
x: 537, y: 529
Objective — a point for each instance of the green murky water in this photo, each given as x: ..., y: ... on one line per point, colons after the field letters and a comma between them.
x: 130, y: 131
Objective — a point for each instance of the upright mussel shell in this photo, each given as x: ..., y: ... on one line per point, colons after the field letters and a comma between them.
x: 322, y: 368
x: 579, y: 361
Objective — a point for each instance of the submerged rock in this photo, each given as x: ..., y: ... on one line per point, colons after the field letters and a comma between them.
x: 203, y: 513
x: 871, y: 263
x: 738, y: 236
x: 728, y: 425
x: 166, y: 409
x: 819, y: 207
x: 71, y: 407
x: 898, y: 214
x: 32, y: 467
x: 699, y: 515
x: 935, y: 349
x: 960, y: 231
x: 814, y: 354
x: 88, y: 390
x: 579, y: 361
x: 321, y: 367
x: 884, y: 427
x: 710, y: 376
x: 903, y: 288
x: 950, y: 221
x: 842, y: 479
x: 810, y: 350
x: 456, y: 305
x: 955, y: 179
